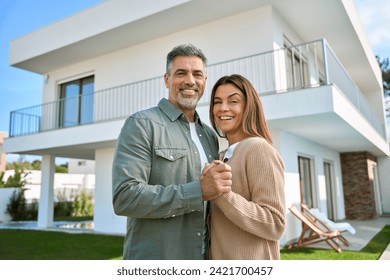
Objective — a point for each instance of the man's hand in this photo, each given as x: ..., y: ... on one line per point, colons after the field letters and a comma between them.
x: 216, y: 179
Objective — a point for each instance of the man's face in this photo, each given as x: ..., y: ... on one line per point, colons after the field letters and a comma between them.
x: 186, y: 81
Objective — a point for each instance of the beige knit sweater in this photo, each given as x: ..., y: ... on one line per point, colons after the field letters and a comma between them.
x: 247, y: 222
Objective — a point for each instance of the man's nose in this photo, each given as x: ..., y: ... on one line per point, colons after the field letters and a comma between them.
x: 190, y: 79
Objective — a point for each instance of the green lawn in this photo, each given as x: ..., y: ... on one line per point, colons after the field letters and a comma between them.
x: 49, y: 245
x: 372, y: 251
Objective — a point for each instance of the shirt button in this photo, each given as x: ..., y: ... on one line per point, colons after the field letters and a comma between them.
x: 171, y: 157
x: 200, y: 135
x: 173, y: 216
x: 198, y: 234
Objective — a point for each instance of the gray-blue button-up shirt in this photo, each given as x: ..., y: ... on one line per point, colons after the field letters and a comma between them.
x: 156, y: 173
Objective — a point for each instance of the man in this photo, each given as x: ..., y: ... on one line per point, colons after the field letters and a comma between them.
x: 157, y: 180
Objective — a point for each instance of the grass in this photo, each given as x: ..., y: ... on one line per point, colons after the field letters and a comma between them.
x: 372, y: 251
x: 50, y: 245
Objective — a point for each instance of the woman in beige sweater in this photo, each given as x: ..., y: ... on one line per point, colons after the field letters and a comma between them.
x: 248, y: 221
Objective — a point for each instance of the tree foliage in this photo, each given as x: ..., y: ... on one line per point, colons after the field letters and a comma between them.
x: 18, y: 180
x: 35, y: 165
x: 385, y: 68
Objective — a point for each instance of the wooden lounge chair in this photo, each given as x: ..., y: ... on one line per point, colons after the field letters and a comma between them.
x: 327, y: 225
x: 312, y: 233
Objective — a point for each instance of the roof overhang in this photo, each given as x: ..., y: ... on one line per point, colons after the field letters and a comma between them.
x: 113, y: 25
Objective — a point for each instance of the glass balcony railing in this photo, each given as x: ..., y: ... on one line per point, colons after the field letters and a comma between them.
x: 307, y: 65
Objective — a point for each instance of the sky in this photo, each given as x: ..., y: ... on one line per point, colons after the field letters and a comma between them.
x: 20, y: 88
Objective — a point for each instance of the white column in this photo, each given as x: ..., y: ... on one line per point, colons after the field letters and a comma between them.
x: 46, y: 200
x: 105, y: 220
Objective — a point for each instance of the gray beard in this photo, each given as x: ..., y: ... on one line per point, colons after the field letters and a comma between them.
x: 187, y: 103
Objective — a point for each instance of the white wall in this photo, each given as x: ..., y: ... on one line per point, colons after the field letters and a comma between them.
x: 81, y: 166
x: 105, y: 220
x: 290, y: 147
x: 3, y: 161
x: 384, y: 181
x: 64, y: 184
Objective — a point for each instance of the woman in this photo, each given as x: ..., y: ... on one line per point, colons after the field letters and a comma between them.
x: 248, y: 221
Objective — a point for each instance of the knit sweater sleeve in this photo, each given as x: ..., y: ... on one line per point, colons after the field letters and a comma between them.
x: 259, y: 205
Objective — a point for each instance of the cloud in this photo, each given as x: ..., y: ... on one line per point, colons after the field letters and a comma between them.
x: 375, y: 17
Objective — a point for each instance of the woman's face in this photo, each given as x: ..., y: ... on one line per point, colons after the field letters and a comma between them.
x: 229, y: 104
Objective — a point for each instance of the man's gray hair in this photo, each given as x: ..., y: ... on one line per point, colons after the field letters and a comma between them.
x: 184, y: 50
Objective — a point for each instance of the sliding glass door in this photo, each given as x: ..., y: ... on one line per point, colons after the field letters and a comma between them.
x: 76, y: 105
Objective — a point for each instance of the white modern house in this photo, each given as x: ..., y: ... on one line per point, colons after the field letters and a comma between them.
x: 310, y: 61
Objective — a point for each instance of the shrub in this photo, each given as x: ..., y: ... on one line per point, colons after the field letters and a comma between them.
x: 17, y: 206
x: 83, y: 205
x: 80, y: 204
x: 19, y: 210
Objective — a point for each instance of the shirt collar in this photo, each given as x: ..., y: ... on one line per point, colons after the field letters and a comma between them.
x: 230, y: 150
x: 172, y: 112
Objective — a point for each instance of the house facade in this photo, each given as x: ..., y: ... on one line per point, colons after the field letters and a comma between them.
x: 310, y: 61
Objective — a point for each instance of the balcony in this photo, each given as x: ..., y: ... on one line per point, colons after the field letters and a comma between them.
x: 309, y: 65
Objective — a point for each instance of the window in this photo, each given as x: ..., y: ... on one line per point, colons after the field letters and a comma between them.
x: 373, y: 175
x: 306, y: 176
x: 76, y: 105
x: 296, y: 67
x: 329, y: 184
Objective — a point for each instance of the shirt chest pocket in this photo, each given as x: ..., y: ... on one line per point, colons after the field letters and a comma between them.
x: 170, y: 165
x: 170, y: 154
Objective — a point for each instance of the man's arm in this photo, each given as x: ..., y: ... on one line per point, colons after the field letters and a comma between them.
x: 132, y: 195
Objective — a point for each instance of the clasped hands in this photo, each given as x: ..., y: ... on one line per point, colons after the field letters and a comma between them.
x: 216, y: 179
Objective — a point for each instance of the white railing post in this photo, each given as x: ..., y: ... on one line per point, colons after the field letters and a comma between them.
x: 325, y: 57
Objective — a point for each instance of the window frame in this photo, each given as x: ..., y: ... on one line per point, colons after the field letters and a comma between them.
x: 78, y: 113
